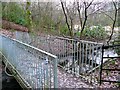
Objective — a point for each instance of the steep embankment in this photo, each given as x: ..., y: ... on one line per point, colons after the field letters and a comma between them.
x: 10, y: 25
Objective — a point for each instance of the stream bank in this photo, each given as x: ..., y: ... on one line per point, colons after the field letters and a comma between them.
x: 8, y: 82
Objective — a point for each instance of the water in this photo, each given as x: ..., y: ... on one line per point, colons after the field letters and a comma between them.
x: 9, y: 82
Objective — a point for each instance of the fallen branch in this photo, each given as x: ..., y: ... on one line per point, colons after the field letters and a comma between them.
x: 10, y: 25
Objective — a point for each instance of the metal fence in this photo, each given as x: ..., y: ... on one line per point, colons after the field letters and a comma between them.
x: 78, y: 57
x: 114, y: 57
x: 37, y: 67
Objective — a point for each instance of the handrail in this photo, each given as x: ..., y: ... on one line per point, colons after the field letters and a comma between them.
x: 45, y: 68
x: 46, y: 53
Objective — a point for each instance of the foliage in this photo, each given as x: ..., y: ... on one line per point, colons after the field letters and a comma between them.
x: 14, y: 13
x: 28, y: 16
x: 64, y: 30
x: 95, y: 32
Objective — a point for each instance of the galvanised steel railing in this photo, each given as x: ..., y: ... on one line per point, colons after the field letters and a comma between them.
x: 37, y: 67
x: 82, y: 58
x: 79, y: 57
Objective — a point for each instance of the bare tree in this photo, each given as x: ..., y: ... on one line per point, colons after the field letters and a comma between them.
x: 113, y: 19
x: 82, y: 8
x: 65, y: 11
x: 86, y: 5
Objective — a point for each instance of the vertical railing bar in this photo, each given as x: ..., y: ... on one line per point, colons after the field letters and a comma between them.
x: 36, y: 72
x: 86, y: 54
x: 33, y: 69
x: 50, y: 76
x: 100, y: 60
x: 40, y: 74
x: 47, y: 78
x: 74, y: 42
x: 55, y: 74
x: 73, y: 66
x: 80, y: 50
x: 7, y: 43
x: 82, y: 54
x: 96, y: 54
x: 10, y: 46
x: 101, y: 65
x: 73, y: 56
x: 44, y: 77
x: 90, y: 55
x: 92, y: 60
x: 90, y: 49
x: 59, y: 51
x: 13, y: 47
x: 65, y: 53
x: 77, y: 59
x: 68, y: 51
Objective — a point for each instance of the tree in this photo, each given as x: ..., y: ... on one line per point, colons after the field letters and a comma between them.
x: 28, y: 16
x: 67, y: 14
x: 113, y: 19
x: 86, y: 5
x: 81, y: 10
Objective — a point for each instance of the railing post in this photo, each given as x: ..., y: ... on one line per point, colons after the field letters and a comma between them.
x: 101, y: 65
x: 55, y: 73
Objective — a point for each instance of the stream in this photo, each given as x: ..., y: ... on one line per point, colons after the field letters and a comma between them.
x: 9, y: 82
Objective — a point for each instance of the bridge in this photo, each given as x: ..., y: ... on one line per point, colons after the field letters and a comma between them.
x: 43, y: 68
x: 36, y: 69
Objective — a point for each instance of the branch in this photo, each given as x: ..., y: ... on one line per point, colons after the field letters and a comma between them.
x: 113, y: 22
x: 95, y: 11
x: 85, y: 20
x: 89, y: 4
x: 66, y: 18
x: 108, y: 16
x: 78, y: 9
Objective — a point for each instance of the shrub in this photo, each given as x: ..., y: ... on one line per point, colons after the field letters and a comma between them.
x: 97, y: 32
x: 14, y: 13
x: 64, y: 30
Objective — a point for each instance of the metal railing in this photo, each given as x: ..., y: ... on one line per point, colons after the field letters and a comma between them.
x: 78, y: 57
x: 37, y: 67
x: 113, y: 58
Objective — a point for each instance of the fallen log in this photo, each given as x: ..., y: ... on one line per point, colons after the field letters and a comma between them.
x: 10, y: 25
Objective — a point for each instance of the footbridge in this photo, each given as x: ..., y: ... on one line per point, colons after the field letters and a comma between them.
x: 56, y: 63
x: 32, y: 67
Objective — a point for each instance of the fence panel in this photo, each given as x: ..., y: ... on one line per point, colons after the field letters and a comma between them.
x: 37, y: 67
x: 78, y: 57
